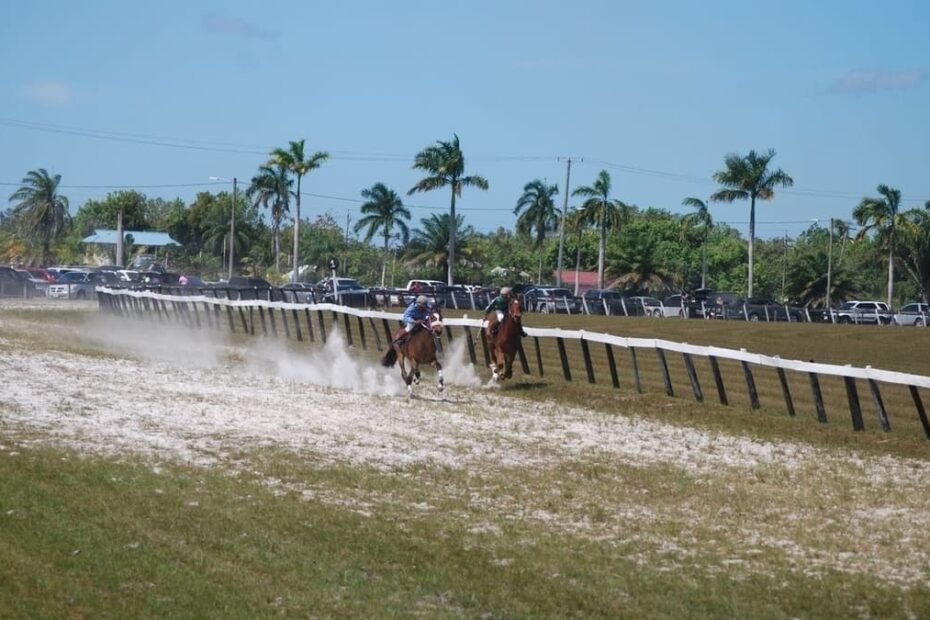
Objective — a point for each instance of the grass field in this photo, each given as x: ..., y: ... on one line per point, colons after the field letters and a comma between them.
x: 148, y: 471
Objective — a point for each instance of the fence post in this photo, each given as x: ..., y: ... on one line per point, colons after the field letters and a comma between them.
x: 287, y: 329
x: 750, y: 385
x: 309, y: 325
x: 612, y: 364
x: 692, y: 375
x: 666, y: 377
x: 588, y: 366
x: 921, y: 412
x: 636, y: 379
x: 538, y: 356
x: 524, y: 365
x: 566, y: 371
x: 855, y: 410
x: 374, y: 330
x: 818, y: 398
x: 879, y: 405
x: 783, y: 379
x: 261, y: 314
x: 471, y: 344
x: 361, y: 332
x: 718, y: 380
x: 348, y: 327
x: 319, y: 316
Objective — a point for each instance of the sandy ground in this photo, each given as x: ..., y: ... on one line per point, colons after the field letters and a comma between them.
x: 119, y: 387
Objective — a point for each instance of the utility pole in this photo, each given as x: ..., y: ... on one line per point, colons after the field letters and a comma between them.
x: 829, y: 268
x: 232, y: 231
x: 568, y: 176
x: 119, y: 238
x: 784, y: 270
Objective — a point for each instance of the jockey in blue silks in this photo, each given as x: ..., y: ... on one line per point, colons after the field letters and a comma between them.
x: 414, y: 315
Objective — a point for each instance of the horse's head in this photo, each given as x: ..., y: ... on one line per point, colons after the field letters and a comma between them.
x: 435, y: 321
x: 516, y: 309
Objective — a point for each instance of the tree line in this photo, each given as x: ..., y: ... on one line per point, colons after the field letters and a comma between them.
x: 643, y: 250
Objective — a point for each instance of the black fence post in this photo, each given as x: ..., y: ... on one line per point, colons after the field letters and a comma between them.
x: 783, y: 379
x: 539, y: 361
x: 692, y: 375
x: 322, y: 323
x: 471, y: 345
x: 524, y: 365
x: 921, y: 412
x: 348, y: 328
x: 566, y: 371
x: 818, y: 398
x: 666, y: 377
x: 588, y: 366
x: 855, y: 410
x: 309, y: 325
x: 296, y: 317
x: 750, y: 385
x: 636, y: 378
x: 612, y: 364
x: 361, y: 332
x: 374, y: 330
x: 879, y: 406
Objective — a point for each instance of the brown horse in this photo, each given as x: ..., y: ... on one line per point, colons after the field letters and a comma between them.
x: 420, y: 347
x: 505, y: 344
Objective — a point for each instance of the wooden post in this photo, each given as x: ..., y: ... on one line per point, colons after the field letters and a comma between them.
x: 539, y: 362
x: 789, y: 403
x: 855, y: 410
x: 692, y: 375
x: 636, y: 378
x: 274, y: 323
x: 921, y: 412
x: 374, y: 330
x: 261, y: 313
x: 612, y: 364
x: 522, y: 355
x: 287, y: 329
x: 319, y: 316
x: 309, y: 318
x: 879, y: 406
x: 232, y: 321
x: 588, y: 366
x: 566, y: 371
x: 361, y: 332
x: 718, y: 379
x: 387, y: 332
x: 666, y: 377
x: 818, y: 398
x: 750, y: 385
x: 348, y: 328
x: 193, y: 309
x: 471, y: 345
x: 296, y: 317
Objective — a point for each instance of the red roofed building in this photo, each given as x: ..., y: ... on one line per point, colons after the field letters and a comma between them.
x: 586, y: 280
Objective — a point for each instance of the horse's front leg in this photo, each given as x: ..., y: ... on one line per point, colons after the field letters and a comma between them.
x: 508, y: 367
x: 415, y: 371
x: 407, y: 377
x: 441, y: 383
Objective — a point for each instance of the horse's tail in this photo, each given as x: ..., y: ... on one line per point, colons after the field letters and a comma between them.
x: 390, y: 358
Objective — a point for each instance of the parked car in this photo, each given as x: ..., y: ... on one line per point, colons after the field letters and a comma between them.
x: 425, y: 286
x: 644, y: 306
x: 13, y: 283
x: 550, y: 299
x: 81, y: 284
x: 298, y: 292
x: 349, y: 292
x: 913, y: 314
x: 761, y: 309
x: 872, y: 312
x: 605, y: 301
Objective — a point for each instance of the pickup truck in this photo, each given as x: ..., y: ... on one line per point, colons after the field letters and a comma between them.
x: 872, y: 312
x: 81, y: 284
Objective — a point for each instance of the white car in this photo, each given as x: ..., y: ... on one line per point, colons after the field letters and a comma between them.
x: 913, y: 314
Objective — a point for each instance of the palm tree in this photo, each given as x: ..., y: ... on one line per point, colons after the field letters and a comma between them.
x: 271, y: 189
x: 540, y: 215
x: 298, y: 164
x: 639, y: 266
x: 914, y: 229
x: 383, y: 211
x: 881, y: 214
x: 601, y: 211
x: 429, y: 246
x: 701, y: 221
x: 446, y: 166
x: 749, y: 177
x: 41, y: 213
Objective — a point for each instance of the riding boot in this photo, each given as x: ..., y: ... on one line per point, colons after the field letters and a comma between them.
x: 523, y: 333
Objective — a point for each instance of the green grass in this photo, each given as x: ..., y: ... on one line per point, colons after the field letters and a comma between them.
x: 89, y: 536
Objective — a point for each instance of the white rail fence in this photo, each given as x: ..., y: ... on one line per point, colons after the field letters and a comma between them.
x: 297, y: 320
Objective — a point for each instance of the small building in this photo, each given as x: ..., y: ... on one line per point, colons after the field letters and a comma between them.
x: 141, y: 240
x: 585, y: 280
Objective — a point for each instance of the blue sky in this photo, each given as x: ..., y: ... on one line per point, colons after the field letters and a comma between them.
x: 161, y: 96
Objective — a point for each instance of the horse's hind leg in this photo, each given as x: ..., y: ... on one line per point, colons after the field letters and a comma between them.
x: 441, y: 383
x: 406, y: 376
x: 415, y: 371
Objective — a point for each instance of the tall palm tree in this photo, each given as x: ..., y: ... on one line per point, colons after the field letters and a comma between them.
x: 602, y: 211
x: 702, y: 222
x: 429, y: 245
x: 383, y: 211
x: 540, y: 214
x: 638, y: 266
x: 881, y: 214
x: 749, y: 178
x: 297, y: 163
x: 445, y: 165
x: 914, y: 230
x: 41, y: 213
x: 271, y: 189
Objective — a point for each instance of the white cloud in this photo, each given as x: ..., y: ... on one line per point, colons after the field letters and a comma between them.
x: 859, y: 81
x: 49, y: 93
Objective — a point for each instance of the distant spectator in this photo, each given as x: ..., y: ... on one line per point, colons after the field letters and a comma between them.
x: 182, y: 281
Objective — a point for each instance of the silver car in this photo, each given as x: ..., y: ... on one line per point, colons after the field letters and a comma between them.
x: 913, y: 314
